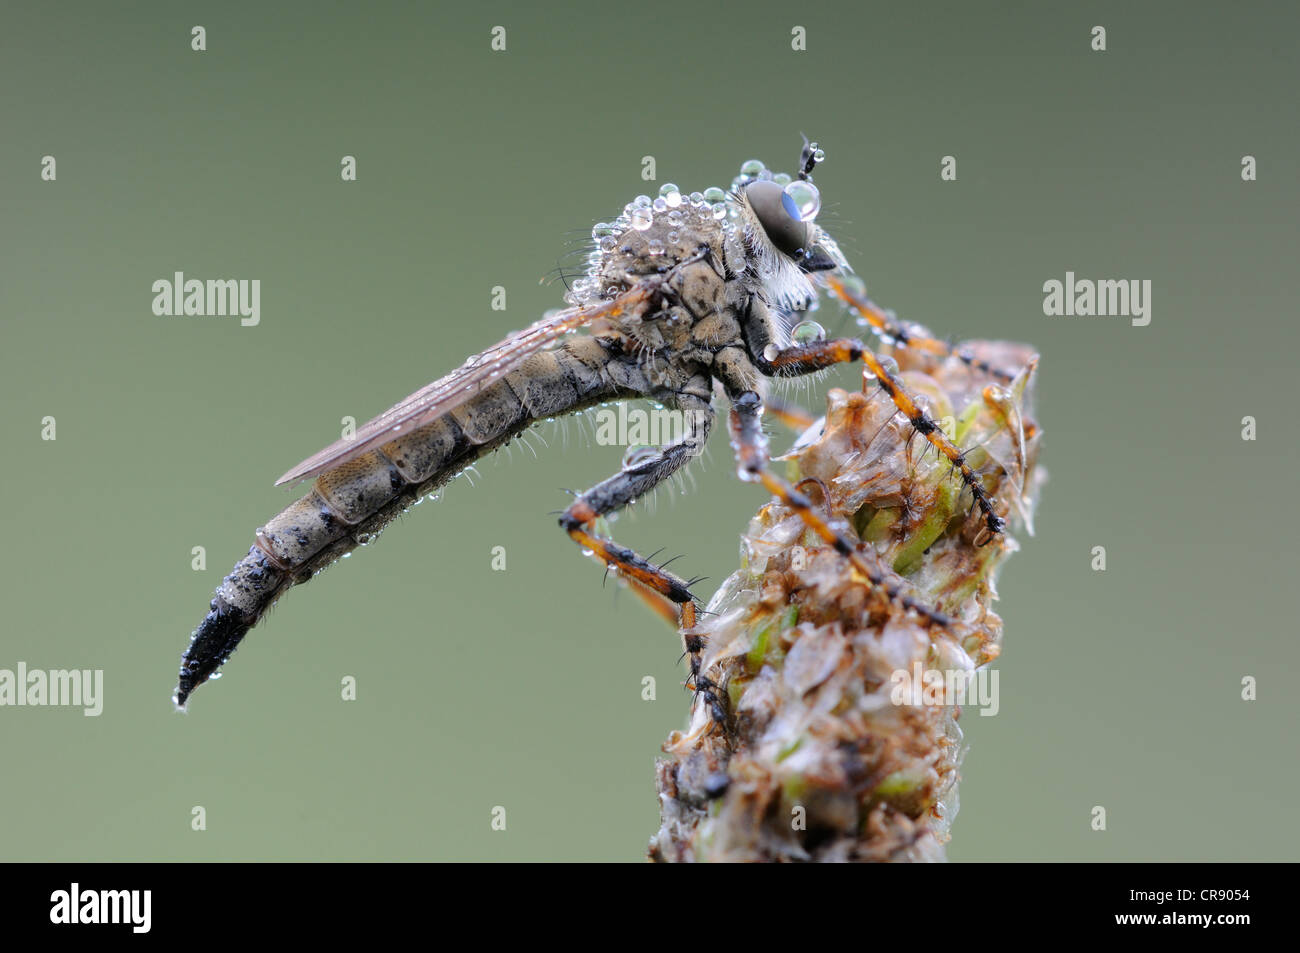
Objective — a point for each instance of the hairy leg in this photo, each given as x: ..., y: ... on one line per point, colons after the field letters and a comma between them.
x: 903, y: 335
x: 751, y: 461
x: 818, y: 355
x: 659, y: 587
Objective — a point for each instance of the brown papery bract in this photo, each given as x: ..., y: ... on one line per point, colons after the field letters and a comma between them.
x: 831, y: 749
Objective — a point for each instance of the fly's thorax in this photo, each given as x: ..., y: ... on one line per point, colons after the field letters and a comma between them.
x: 658, y: 250
x: 651, y: 238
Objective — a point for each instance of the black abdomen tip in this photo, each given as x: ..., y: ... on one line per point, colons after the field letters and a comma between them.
x: 216, y: 638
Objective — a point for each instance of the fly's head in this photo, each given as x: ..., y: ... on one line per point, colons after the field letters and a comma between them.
x: 760, y: 238
x: 775, y: 222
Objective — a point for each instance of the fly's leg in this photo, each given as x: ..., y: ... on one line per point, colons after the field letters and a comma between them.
x: 751, y: 460
x: 651, y: 581
x: 805, y: 358
x: 790, y: 414
x: 903, y: 336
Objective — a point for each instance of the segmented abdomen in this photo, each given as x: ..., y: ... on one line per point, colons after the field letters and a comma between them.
x: 349, y: 505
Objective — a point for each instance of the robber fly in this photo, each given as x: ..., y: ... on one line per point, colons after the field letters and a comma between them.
x: 683, y: 291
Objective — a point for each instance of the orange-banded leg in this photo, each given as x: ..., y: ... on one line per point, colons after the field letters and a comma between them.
x: 652, y: 582
x: 751, y: 461
x: 897, y: 333
x: 816, y: 355
x: 788, y: 413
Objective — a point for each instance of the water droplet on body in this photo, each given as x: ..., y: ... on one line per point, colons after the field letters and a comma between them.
x: 670, y: 194
x: 806, y: 332
x: 805, y: 198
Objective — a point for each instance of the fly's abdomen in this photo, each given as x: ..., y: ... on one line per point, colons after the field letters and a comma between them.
x: 349, y: 505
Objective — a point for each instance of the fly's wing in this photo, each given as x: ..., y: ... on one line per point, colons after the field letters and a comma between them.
x: 445, y: 394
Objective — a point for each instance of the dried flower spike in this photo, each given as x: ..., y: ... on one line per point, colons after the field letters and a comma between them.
x: 841, y: 738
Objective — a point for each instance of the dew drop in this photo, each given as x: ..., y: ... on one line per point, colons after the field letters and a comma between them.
x: 670, y: 194
x: 642, y: 218
x: 806, y: 332
x: 889, y: 364
x: 806, y: 199
x: 752, y: 167
x: 714, y: 194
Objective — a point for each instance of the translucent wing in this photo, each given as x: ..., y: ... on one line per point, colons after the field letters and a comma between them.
x: 445, y: 394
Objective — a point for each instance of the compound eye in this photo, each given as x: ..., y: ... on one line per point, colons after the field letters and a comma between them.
x: 779, y: 216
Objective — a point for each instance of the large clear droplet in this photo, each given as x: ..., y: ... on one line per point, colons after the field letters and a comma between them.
x: 806, y: 332
x: 670, y: 194
x: 642, y: 218
x: 752, y: 167
x: 714, y: 194
x: 807, y: 200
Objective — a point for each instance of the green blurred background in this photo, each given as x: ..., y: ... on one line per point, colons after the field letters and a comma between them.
x: 523, y: 688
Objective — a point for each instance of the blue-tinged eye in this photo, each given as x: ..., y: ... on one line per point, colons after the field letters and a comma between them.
x: 778, y: 213
x: 788, y: 204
